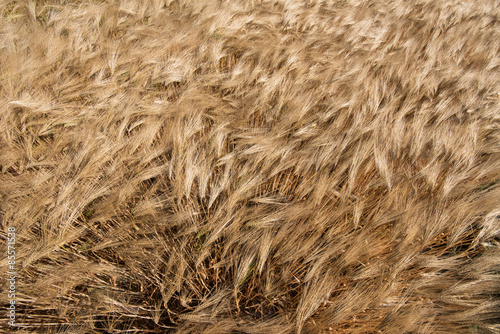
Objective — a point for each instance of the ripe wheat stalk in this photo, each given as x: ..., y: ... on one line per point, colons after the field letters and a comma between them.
x: 241, y: 166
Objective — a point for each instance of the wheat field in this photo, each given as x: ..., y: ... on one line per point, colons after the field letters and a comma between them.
x: 285, y: 166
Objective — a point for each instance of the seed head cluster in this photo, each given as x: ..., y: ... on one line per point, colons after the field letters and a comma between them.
x: 284, y: 166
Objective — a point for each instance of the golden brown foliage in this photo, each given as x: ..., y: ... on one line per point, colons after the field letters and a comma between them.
x: 252, y: 166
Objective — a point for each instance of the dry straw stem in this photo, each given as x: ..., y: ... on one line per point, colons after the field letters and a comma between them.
x: 251, y: 166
